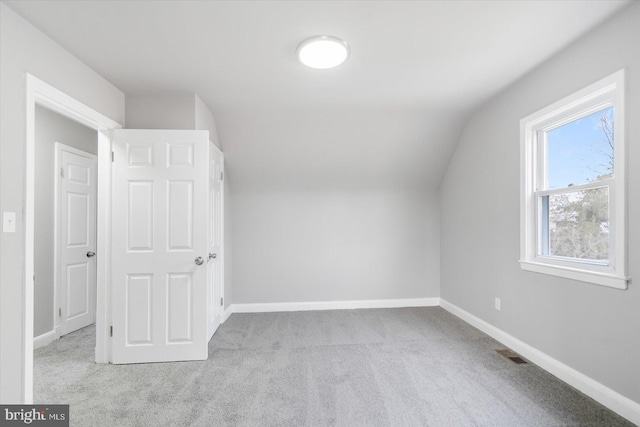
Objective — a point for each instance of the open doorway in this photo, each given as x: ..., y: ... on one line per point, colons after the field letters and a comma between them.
x: 65, y: 226
x: 42, y: 94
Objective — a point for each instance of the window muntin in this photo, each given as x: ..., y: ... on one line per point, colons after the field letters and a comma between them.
x: 573, y: 186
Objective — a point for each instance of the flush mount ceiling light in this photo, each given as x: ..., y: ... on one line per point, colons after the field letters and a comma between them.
x: 322, y: 52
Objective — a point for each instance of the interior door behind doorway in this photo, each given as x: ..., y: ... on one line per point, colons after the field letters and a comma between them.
x: 76, y: 236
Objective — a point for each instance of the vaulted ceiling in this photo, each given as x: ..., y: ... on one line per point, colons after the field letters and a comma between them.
x: 387, y: 118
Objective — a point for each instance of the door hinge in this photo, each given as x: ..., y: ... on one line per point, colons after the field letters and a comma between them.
x: 221, y: 301
x: 113, y: 157
x: 60, y: 312
x: 111, y: 331
x: 221, y: 176
x: 61, y: 172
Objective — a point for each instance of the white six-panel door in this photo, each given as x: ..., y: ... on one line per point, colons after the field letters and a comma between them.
x: 76, y: 238
x: 159, y: 245
x: 215, y: 237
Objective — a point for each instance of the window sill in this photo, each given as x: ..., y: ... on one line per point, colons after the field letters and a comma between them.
x: 603, y: 279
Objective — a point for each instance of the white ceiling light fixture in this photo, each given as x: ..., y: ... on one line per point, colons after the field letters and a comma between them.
x: 323, y: 52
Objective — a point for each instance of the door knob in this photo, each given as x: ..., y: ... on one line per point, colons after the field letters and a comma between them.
x: 91, y: 254
x: 199, y: 260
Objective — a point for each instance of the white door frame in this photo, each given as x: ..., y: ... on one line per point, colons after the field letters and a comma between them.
x: 57, y: 284
x: 45, y: 95
x: 222, y: 218
x: 221, y: 317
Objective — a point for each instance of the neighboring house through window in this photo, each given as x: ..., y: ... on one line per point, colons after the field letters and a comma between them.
x: 573, y: 211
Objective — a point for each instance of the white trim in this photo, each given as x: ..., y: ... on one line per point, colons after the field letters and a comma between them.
x: 333, y: 305
x: 219, y: 318
x: 608, y: 91
x: 103, y: 243
x: 611, y: 399
x: 597, y: 278
x: 29, y: 245
x: 222, y: 247
x: 56, y: 238
x: 40, y: 93
x: 228, y: 312
x: 221, y: 261
x: 44, y: 339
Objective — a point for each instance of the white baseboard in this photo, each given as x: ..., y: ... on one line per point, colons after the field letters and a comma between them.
x: 333, y: 305
x: 44, y: 339
x: 597, y: 391
x: 227, y: 313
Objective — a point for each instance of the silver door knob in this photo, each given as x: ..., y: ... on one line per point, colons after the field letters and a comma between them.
x: 199, y: 260
x: 91, y: 254
x: 212, y: 256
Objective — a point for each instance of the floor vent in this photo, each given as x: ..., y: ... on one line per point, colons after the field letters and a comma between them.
x: 513, y: 356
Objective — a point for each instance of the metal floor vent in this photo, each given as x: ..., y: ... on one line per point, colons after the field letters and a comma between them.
x: 513, y: 356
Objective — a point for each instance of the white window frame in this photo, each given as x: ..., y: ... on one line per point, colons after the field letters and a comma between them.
x: 612, y: 273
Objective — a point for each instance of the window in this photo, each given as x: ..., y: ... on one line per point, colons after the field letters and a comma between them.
x: 573, y: 211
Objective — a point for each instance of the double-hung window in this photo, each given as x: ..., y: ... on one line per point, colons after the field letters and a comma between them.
x: 573, y: 213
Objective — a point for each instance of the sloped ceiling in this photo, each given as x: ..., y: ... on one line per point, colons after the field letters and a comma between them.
x: 388, y: 117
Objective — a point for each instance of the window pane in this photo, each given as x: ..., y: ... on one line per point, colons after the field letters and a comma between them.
x: 581, y: 151
x: 577, y: 224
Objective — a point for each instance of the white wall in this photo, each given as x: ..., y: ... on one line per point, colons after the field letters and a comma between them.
x: 170, y: 110
x: 160, y: 110
x: 24, y: 49
x: 332, y: 245
x: 184, y: 110
x: 50, y: 128
x: 203, y: 120
x: 593, y: 329
x: 334, y: 204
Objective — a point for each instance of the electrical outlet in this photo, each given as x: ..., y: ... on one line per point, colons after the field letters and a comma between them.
x: 497, y: 304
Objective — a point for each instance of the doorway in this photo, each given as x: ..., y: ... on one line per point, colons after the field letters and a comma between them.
x: 65, y: 226
x: 42, y: 94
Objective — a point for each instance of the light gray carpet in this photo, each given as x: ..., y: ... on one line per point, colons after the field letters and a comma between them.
x: 387, y: 367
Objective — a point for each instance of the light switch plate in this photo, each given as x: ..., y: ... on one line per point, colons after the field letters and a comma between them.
x: 8, y: 222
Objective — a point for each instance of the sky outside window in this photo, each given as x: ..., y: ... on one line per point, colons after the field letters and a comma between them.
x: 578, y: 152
